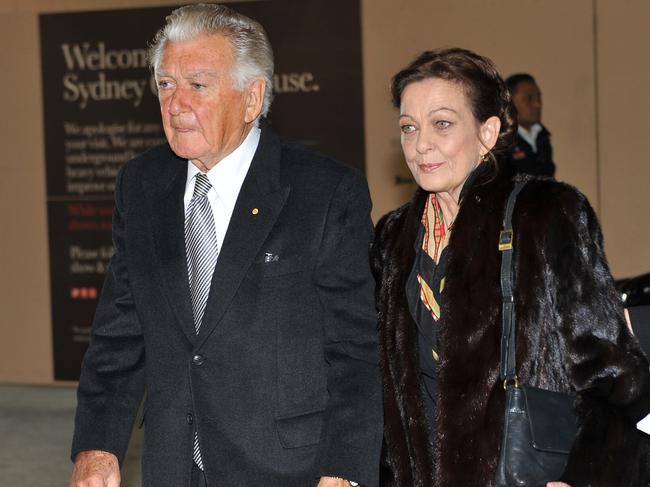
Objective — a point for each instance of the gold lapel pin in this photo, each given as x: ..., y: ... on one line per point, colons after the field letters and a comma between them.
x: 255, y: 211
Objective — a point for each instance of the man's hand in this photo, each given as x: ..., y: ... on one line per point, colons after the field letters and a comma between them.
x: 332, y: 482
x: 557, y: 484
x: 95, y: 469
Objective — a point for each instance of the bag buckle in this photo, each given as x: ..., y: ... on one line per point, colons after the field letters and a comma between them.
x: 514, y: 381
x: 505, y: 240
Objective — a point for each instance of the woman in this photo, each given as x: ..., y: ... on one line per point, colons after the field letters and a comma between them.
x: 437, y: 268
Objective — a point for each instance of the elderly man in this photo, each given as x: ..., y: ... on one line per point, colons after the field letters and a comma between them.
x: 239, y: 298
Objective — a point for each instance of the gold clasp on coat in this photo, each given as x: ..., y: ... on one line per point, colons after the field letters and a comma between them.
x: 505, y: 240
x: 515, y: 381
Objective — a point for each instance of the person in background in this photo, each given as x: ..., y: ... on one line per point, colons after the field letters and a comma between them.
x: 437, y: 266
x: 239, y: 297
x: 532, y: 152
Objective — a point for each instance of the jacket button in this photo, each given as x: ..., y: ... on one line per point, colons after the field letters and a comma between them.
x: 477, y: 198
x: 190, y: 418
x: 198, y: 359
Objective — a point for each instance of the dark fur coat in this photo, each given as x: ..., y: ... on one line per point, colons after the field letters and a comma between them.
x: 572, y: 336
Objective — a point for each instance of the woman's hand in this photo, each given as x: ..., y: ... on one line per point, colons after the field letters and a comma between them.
x: 557, y: 484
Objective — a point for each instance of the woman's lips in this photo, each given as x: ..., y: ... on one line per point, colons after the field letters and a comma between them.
x: 428, y: 168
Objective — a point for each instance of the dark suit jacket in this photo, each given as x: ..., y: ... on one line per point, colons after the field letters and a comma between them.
x: 282, y: 382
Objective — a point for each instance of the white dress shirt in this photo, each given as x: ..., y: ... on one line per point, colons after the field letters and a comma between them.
x: 226, y: 178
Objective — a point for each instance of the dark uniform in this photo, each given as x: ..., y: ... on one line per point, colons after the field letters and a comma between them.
x: 539, y: 163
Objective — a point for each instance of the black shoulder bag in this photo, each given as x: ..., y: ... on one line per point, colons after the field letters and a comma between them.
x: 539, y: 425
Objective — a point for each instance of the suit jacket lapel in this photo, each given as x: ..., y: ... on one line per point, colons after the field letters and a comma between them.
x: 165, y: 197
x: 260, y: 201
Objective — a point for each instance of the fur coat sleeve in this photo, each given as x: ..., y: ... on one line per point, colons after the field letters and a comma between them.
x: 603, y: 362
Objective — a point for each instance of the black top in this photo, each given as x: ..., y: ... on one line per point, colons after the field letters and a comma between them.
x: 432, y: 274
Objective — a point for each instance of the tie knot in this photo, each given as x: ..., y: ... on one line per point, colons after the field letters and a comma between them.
x: 202, y: 185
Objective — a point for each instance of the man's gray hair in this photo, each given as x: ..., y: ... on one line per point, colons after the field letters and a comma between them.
x: 252, y: 51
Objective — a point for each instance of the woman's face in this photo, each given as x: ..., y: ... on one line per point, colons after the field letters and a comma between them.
x: 441, y: 138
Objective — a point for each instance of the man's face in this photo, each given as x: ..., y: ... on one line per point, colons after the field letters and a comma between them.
x: 204, y: 116
x: 528, y: 102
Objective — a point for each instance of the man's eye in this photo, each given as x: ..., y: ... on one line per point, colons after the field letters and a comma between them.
x: 198, y: 86
x: 162, y: 84
x: 407, y: 128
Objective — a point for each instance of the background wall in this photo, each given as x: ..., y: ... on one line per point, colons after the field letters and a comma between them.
x: 623, y: 110
x: 589, y: 57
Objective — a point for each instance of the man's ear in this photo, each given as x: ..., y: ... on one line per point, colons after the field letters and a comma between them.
x: 489, y: 133
x: 254, y: 100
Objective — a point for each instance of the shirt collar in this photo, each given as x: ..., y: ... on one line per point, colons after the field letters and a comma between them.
x: 228, y: 175
x: 530, y: 135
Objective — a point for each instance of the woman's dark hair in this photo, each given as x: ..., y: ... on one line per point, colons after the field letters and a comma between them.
x: 486, y: 91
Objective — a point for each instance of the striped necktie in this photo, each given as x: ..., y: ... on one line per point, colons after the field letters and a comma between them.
x: 201, y: 246
x: 202, y: 251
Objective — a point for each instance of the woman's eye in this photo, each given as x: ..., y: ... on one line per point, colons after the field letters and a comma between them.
x: 407, y: 128
x: 443, y: 124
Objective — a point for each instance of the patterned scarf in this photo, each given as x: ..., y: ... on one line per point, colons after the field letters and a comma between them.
x: 435, y: 240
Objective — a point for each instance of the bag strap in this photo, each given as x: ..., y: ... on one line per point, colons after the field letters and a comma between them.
x: 508, y: 370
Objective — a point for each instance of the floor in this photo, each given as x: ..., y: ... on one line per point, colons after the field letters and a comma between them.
x: 36, y: 425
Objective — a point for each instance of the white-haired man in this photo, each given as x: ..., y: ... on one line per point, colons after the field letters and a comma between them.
x: 239, y: 298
